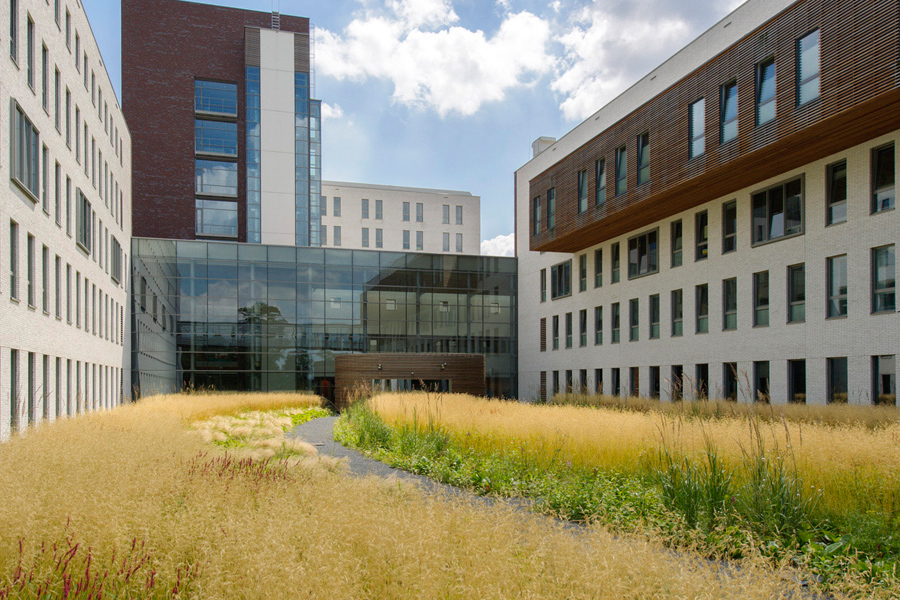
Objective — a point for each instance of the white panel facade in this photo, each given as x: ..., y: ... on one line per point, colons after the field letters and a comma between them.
x: 64, y: 312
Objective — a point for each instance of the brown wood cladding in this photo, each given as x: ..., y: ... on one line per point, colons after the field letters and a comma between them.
x: 301, y: 52
x: 858, y: 101
x: 251, y: 46
x: 465, y: 371
x: 543, y: 335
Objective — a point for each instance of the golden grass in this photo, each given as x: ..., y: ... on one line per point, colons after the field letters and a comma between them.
x: 856, y: 467
x: 137, y: 476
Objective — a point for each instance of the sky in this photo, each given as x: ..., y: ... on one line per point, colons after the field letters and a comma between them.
x: 449, y: 94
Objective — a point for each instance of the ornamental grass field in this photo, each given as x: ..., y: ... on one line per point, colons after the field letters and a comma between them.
x: 177, y: 497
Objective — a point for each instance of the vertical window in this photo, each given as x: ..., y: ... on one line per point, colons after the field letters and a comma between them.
x: 837, y: 285
x: 643, y: 255
x: 676, y: 240
x: 29, y: 270
x: 698, y: 127
x: 582, y: 327
x: 836, y: 194
x: 582, y: 273
x: 729, y: 381
x: 14, y: 388
x: 378, y: 209
x: 45, y: 280
x: 598, y: 325
x: 78, y: 299
x: 555, y: 332
x: 542, y: 334
x: 68, y: 293
x: 765, y: 91
x: 420, y: 240
x: 883, y: 279
x: 459, y: 215
x: 26, y: 150
x: 808, y: 68
x: 337, y: 206
x: 57, y: 193
x: 29, y: 50
x: 77, y: 135
x: 365, y: 208
x: 728, y: 112
x: 406, y: 239
x: 45, y: 180
x: 68, y: 118
x: 884, y: 379
x: 677, y: 382
x: 406, y: 211
x: 57, y: 100
x: 615, y: 322
x: 616, y: 383
x: 445, y: 215
x: 837, y: 379
x: 535, y: 215
x: 420, y: 212
x: 68, y: 206
x: 551, y: 208
x: 778, y: 212
x: 883, y: 178
x: 761, y: 299
x: 600, y: 182
x: 543, y: 285
x: 14, y: 30
x: 45, y: 79
x: 654, y: 316
x: 797, y: 381
x: 459, y: 242
x: 598, y: 381
x: 378, y: 238
x: 643, y: 146
x: 14, y: 260
x: 702, y: 307
x: 729, y: 304
x: 654, y: 382
x: 365, y: 237
x: 68, y: 30
x: 634, y: 378
x: 729, y: 227
x: 615, y: 262
x: 560, y: 280
x: 621, y: 170
x: 582, y: 191
x: 634, y: 320
x: 761, y: 381
x: 77, y: 52
x: 677, y: 313
x: 598, y: 267
x: 701, y: 235
x: 555, y: 382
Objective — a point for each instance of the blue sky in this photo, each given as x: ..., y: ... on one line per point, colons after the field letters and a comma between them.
x: 451, y: 93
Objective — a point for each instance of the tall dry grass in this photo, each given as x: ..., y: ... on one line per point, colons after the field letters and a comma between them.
x: 193, y: 521
x: 856, y: 467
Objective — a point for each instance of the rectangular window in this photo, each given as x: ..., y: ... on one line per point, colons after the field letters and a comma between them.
x: 883, y: 279
x: 837, y: 380
x: 837, y: 286
x: 729, y: 304
x: 26, y: 148
x: 654, y: 316
x: 582, y: 272
x: 218, y: 138
x: 378, y: 209
x: 765, y: 91
x: 568, y: 330
x: 761, y: 381
x: 57, y: 193
x: 621, y: 170
x: 337, y: 235
x: 729, y: 381
x: 459, y: 242
x: 215, y: 178
x: 836, y: 193
x: 365, y: 208
x: 459, y: 215
x: 77, y: 135
x: 116, y: 268
x: 535, y: 215
x: 14, y: 260
x: 676, y: 239
x: 729, y: 227
x: 406, y: 211
x: 378, y: 238
x: 778, y: 212
x: 78, y: 299
x: 761, y: 299
x: 796, y: 293
x: 68, y: 118
x: 14, y: 30
x: 77, y: 52
x: 654, y: 382
x: 555, y: 332
x: 634, y: 378
x: 445, y: 215
x: 797, y: 381
x: 677, y: 313
x: 698, y: 128
x: 598, y: 267
x: 542, y: 334
x: 29, y: 270
x: 616, y: 383
x: 365, y: 237
x: 677, y: 385
x: 57, y: 100
x: 643, y: 255
x: 808, y: 68
x: 543, y: 285
x: 561, y: 280
x: 643, y: 147
x: 555, y: 382
x: 634, y: 320
x: 598, y: 325
x: 616, y: 317
x: 45, y: 79
x: 45, y: 180
x: 406, y: 239
x: 29, y: 49
x: 420, y: 212
x: 701, y: 235
x: 883, y: 178
x: 68, y: 30
x: 884, y: 379
x: 598, y: 381
x: 582, y: 191
x: 45, y: 279
x: 68, y: 206
x: 420, y: 240
x: 551, y: 208
x: 615, y: 262
x: 702, y: 308
x: 68, y: 293
x: 215, y: 98
x: 600, y: 182
x: 83, y: 217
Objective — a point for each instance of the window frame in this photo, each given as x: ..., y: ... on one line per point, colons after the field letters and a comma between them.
x: 676, y: 298
x: 876, y: 191
x: 615, y: 322
x: 643, y: 158
x: 761, y: 302
x: 701, y: 320
x: 676, y: 255
x: 653, y: 316
x: 634, y: 320
x: 600, y: 182
x: 582, y: 272
x: 621, y: 170
x: 729, y: 240
x: 551, y: 209
x: 581, y: 190
x: 729, y: 304
x: 841, y: 298
x: 561, y: 273
x: 767, y: 238
x: 887, y: 291
x: 724, y: 123
x: 652, y: 253
x: 598, y: 325
x: 598, y: 268
x: 830, y: 191
x: 616, y: 262
x: 791, y: 302
x: 535, y: 215
x: 701, y: 235
x: 582, y: 328
x: 26, y: 149
x: 799, y: 78
x: 759, y: 102
x: 696, y: 136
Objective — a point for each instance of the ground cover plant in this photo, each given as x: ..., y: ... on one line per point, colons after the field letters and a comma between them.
x: 141, y: 502
x: 822, y: 494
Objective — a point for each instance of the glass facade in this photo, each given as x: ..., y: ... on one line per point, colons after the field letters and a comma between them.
x: 266, y: 318
x: 254, y: 180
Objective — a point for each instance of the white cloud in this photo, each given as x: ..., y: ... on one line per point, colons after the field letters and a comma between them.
x: 332, y: 111
x: 502, y: 245
x: 431, y: 62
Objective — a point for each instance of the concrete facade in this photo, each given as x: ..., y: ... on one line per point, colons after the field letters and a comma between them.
x: 64, y: 307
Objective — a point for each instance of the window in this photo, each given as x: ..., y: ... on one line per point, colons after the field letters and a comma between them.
x: 729, y: 381
x: 68, y: 293
x: 77, y: 135
x: 45, y: 79
x: 582, y: 272
x: 68, y: 206
x: 365, y: 237
x: 729, y: 304
x: 68, y: 118
x: 26, y: 149
x: 616, y: 383
x: 420, y: 212
x: 29, y: 270
x: 761, y: 299
x: 445, y: 214
x: 116, y: 268
x: 729, y: 227
x: 337, y: 235
x: 837, y: 379
x: 45, y: 279
x: 643, y: 255
x: 778, y: 212
x: 57, y: 100
x: 615, y: 322
x: 459, y: 215
x: 45, y: 180
x: 654, y: 382
x: 765, y: 91
x: 797, y: 381
x: 561, y: 280
x: 29, y: 49
x: 459, y: 242
x: 582, y: 191
x: 83, y: 235
x: 535, y: 215
x: 698, y: 128
x: 702, y: 307
x: 378, y: 238
x: 57, y: 192
x: 543, y: 285
x: 701, y: 235
x: 796, y: 294
x: 598, y: 267
x: 836, y: 194
x: 568, y: 330
x: 883, y: 178
x: 598, y: 325
x: 68, y: 30
x: 420, y: 240
x: 634, y: 377
x: 883, y: 279
x: 406, y: 239
x: 621, y: 170
x: 406, y: 211
x: 701, y: 381
x: 556, y: 332
x: 14, y: 30
x: 643, y: 146
x: 677, y: 313
x: 215, y: 97
x: 77, y: 52
x: 600, y: 182
x: 365, y: 208
x: 555, y: 382
x: 634, y: 320
x: 761, y: 381
x: 378, y: 209
x: 13, y: 260
x: 677, y: 382
x: 837, y: 286
x: 218, y: 138
x: 808, y: 68
x: 542, y: 334
x: 654, y: 316
x: 215, y: 178
x: 216, y: 218
x: 598, y: 381
x: 884, y: 379
x: 551, y: 208
x: 615, y: 262
x: 676, y: 238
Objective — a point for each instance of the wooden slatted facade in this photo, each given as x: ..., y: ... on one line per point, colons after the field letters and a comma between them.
x: 859, y: 100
